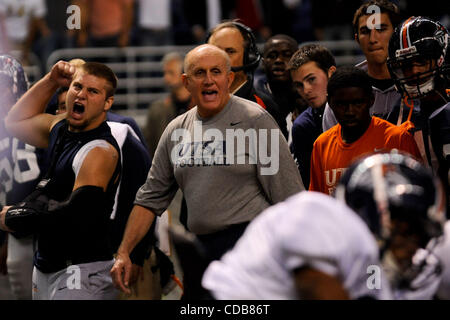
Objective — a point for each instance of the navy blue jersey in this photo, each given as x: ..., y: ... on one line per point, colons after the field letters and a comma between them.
x: 20, y: 169
x: 74, y: 238
x: 439, y: 128
x: 136, y: 163
x: 306, y: 128
x: 110, y: 116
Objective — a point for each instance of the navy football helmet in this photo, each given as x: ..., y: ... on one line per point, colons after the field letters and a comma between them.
x: 387, y: 186
x: 12, y: 75
x: 419, y: 41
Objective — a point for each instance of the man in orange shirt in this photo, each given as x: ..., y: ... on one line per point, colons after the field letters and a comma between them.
x: 357, y: 132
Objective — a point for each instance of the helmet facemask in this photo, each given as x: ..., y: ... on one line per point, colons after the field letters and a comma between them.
x: 415, y: 84
x: 391, y: 190
x: 419, y: 42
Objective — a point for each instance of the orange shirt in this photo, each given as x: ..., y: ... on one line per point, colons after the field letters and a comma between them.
x: 331, y: 155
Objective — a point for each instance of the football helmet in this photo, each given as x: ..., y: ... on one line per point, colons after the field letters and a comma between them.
x: 419, y: 41
x: 13, y: 75
x: 387, y: 186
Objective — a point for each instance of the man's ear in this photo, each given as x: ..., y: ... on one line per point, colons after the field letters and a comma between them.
x: 231, y: 75
x: 331, y: 70
x: 184, y: 79
x: 356, y: 37
x: 108, y: 103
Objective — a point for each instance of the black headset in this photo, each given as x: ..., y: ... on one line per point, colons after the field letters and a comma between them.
x: 252, y: 57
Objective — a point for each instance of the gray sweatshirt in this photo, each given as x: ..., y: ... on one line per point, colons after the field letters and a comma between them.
x: 230, y: 167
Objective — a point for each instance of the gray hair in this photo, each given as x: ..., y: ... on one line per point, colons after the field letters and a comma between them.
x: 173, y: 56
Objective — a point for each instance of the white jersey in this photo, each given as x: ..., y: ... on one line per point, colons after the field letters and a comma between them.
x: 443, y: 253
x: 308, y: 229
x: 433, y: 281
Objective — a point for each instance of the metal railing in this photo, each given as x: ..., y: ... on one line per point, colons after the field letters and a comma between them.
x: 140, y: 72
x: 33, y: 70
x: 138, y: 69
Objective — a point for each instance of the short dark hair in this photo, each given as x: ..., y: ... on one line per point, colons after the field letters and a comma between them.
x: 312, y: 52
x: 233, y: 24
x: 348, y: 77
x: 102, y: 71
x: 61, y: 90
x: 292, y: 42
x: 385, y: 6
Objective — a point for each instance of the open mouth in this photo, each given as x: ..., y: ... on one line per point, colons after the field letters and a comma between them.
x: 278, y: 71
x: 209, y: 95
x: 77, y: 110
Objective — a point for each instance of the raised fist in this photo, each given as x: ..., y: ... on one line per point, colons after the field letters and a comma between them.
x: 62, y: 73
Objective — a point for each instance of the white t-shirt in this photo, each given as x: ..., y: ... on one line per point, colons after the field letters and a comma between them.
x: 154, y: 14
x: 310, y: 229
x: 443, y: 253
x: 18, y: 14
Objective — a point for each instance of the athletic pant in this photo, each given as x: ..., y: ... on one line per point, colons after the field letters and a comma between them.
x: 20, y: 266
x: 87, y: 281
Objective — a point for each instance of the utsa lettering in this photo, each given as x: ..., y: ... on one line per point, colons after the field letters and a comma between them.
x: 332, y: 177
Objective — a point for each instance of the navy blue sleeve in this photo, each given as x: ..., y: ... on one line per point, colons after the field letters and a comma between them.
x: 304, y: 133
x: 2, y: 237
x: 127, y: 120
x: 136, y: 164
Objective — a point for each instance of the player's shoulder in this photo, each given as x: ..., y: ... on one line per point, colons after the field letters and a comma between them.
x: 247, y: 108
x: 333, y: 225
x: 305, y: 119
x: 312, y: 207
x: 328, y: 135
x: 390, y: 129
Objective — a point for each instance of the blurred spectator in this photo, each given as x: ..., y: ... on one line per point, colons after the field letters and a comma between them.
x: 24, y: 22
x: 433, y: 9
x: 278, y: 50
x: 154, y: 22
x: 251, y: 14
x: 302, y: 29
x: 105, y: 23
x: 4, y: 41
x: 192, y: 18
x: 278, y: 18
x: 59, y: 36
x: 161, y: 112
x: 331, y: 19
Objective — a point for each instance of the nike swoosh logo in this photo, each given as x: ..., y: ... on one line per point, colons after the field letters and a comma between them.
x: 378, y: 150
x: 235, y: 123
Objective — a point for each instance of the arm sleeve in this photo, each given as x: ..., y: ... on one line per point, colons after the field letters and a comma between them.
x: 160, y: 186
x: 154, y: 127
x: 316, y: 169
x: 3, y: 235
x: 408, y: 144
x: 301, y: 154
x: 278, y: 176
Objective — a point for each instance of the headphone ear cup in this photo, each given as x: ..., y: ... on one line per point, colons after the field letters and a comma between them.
x: 251, y: 52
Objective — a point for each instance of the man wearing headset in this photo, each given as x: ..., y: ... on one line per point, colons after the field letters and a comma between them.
x: 239, y: 42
